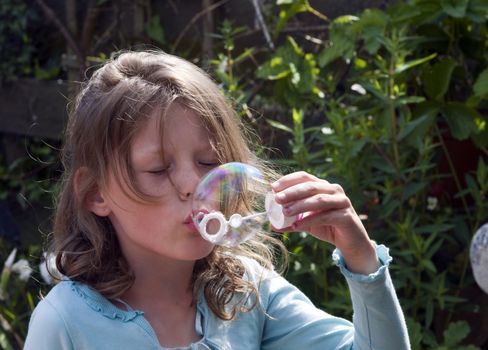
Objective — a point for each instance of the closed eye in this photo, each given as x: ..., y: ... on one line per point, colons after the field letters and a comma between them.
x: 157, y: 171
x: 210, y: 164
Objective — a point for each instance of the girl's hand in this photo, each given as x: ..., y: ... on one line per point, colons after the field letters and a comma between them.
x: 327, y: 214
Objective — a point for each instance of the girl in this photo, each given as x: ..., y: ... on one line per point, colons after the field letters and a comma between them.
x: 144, y: 130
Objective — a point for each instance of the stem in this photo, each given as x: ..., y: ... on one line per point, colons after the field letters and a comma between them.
x: 262, y: 24
x: 417, y: 293
x: 453, y: 172
x: 317, y: 13
x: 391, y: 107
x: 193, y: 20
x: 49, y: 13
x: 468, y: 214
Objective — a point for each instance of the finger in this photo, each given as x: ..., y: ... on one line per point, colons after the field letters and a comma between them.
x: 330, y: 218
x: 292, y: 179
x: 307, y: 189
x: 317, y: 203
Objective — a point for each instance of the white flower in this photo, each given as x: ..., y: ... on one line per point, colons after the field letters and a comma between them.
x: 327, y: 131
x: 359, y: 89
x: 22, y: 268
x: 10, y: 259
x: 431, y: 203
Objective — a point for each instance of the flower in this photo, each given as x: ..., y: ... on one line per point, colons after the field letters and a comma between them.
x: 327, y: 131
x: 10, y: 259
x: 359, y: 89
x: 432, y: 203
x: 22, y: 268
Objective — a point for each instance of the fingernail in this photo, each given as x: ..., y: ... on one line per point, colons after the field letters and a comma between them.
x: 275, y: 185
x: 287, y: 210
x: 280, y: 196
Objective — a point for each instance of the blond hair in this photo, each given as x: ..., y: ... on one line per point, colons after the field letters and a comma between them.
x: 104, y: 119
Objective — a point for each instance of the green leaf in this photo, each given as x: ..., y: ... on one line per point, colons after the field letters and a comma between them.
x: 461, y: 120
x: 155, y: 31
x: 477, y: 11
x: 428, y: 265
x: 347, y: 19
x: 421, y: 125
x: 338, y: 47
x: 244, y: 55
x: 455, y: 333
x: 290, y: 9
x: 277, y: 125
x: 4, y: 343
x: 405, y: 66
x: 455, y: 8
x: 480, y: 87
x: 415, y: 332
x: 405, y: 100
x: 438, y: 78
x: 413, y: 188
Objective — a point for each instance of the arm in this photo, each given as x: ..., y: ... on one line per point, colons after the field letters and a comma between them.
x: 293, y: 322
x: 327, y: 214
x: 47, y: 330
x: 378, y: 318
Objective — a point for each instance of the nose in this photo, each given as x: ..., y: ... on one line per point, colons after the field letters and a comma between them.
x: 185, y: 181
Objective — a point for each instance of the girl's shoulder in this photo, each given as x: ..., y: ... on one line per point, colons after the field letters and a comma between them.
x: 63, y: 302
x: 72, y: 300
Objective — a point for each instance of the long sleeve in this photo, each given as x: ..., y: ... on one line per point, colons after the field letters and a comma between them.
x: 47, y: 330
x: 378, y: 322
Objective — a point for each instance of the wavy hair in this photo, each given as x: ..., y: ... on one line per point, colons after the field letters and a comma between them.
x: 106, y: 115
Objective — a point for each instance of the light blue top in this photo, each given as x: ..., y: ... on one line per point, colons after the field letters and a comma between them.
x: 74, y: 316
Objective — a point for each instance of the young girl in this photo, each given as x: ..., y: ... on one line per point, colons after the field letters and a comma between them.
x: 138, y: 275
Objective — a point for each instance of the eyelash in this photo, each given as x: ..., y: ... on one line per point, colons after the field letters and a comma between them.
x: 208, y: 164
x: 204, y: 164
x: 158, y: 172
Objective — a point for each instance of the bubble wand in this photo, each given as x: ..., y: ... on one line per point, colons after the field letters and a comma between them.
x: 224, y: 187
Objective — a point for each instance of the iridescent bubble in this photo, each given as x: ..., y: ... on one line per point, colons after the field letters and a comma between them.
x: 233, y: 202
x: 479, y: 257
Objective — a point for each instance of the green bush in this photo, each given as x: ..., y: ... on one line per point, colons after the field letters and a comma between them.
x: 383, y: 100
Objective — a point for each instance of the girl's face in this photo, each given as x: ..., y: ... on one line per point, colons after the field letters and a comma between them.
x: 163, y: 229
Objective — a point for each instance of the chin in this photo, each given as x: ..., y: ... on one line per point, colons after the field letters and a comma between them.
x: 200, y: 250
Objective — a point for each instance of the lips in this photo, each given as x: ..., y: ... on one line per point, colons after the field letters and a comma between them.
x: 190, y: 224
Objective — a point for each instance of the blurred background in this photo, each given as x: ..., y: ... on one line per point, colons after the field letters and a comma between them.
x: 387, y: 98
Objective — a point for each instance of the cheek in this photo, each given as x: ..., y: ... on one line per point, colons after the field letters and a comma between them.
x: 154, y: 185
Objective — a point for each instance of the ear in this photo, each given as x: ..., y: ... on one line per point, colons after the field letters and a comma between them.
x: 89, y: 193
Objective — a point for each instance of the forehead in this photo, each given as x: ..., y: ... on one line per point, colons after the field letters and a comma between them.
x: 179, y: 128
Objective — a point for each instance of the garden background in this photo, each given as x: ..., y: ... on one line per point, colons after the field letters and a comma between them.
x: 387, y: 98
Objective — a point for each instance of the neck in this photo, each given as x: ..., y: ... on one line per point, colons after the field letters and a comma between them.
x: 165, y: 281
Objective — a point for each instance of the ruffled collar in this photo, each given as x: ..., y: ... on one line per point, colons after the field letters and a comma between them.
x: 99, y: 303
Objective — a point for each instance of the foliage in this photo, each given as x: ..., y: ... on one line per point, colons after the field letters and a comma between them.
x: 393, y: 87
x: 19, y: 289
x: 30, y: 177
x: 16, y: 53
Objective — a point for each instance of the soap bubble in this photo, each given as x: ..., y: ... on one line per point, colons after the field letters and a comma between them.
x: 235, y: 201
x: 229, y: 204
x: 479, y: 257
